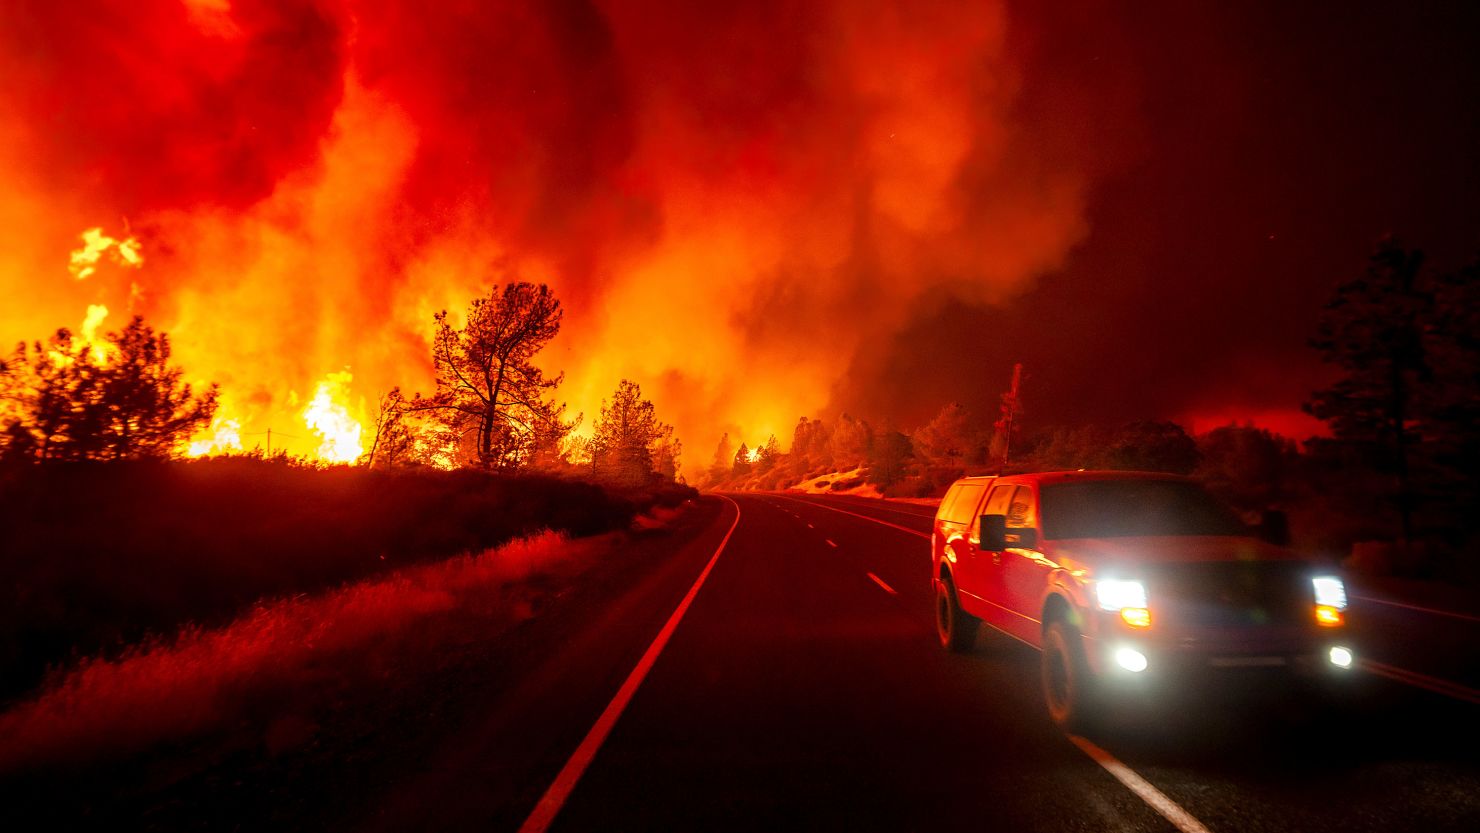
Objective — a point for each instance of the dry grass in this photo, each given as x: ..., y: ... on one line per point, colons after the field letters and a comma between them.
x: 301, y: 648
x: 95, y: 558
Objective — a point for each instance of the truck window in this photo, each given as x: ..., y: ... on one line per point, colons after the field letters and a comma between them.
x: 1130, y: 507
x: 945, y: 503
x: 961, y: 508
x: 997, y: 504
x: 1022, y: 511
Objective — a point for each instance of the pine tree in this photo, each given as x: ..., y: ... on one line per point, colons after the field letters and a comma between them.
x: 740, y: 466
x: 488, y: 389
x: 629, y: 444
x: 768, y: 456
x: 1372, y: 329
x: 946, y: 439
x: 71, y: 400
x: 724, y: 460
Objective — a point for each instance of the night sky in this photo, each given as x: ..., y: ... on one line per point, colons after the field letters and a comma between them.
x: 1246, y: 158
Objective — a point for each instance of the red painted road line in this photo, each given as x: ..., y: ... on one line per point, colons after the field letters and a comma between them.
x: 1436, y: 611
x: 880, y: 582
x: 1158, y: 801
x: 1435, y: 684
x: 554, y: 798
x: 914, y: 532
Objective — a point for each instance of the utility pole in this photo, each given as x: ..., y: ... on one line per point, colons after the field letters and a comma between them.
x: 1011, y: 404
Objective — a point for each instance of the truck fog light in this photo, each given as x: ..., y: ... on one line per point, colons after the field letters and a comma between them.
x: 1134, y: 661
x: 1340, y: 657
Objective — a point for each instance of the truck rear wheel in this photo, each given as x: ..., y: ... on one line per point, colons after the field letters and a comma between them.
x: 1068, y: 685
x: 957, y: 628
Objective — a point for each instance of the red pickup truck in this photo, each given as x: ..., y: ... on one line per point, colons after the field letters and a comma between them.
x: 1124, y: 578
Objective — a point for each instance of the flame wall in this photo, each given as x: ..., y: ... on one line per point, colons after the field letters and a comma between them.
x: 730, y: 202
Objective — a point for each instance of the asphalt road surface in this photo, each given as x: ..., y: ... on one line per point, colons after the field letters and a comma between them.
x: 779, y: 670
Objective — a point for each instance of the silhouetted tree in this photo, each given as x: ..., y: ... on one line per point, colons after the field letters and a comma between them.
x: 946, y: 439
x: 1153, y: 446
x: 1451, y: 404
x: 850, y: 442
x: 740, y: 466
x: 628, y: 439
x: 67, y: 399
x: 768, y: 456
x: 1372, y: 329
x: 724, y: 460
x: 1249, y: 467
x: 488, y: 388
x: 889, y: 457
x: 394, y: 442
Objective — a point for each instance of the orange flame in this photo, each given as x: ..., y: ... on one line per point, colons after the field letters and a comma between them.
x: 327, y: 416
x: 96, y: 244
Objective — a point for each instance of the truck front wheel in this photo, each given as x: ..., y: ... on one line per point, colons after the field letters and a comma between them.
x: 1068, y: 684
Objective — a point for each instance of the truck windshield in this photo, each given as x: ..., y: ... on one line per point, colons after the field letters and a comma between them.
x: 1126, y: 508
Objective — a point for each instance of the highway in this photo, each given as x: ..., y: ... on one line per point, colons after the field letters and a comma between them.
x: 779, y: 671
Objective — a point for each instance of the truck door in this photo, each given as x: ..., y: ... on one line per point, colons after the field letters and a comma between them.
x: 955, y: 521
x: 984, y: 568
x: 1024, y: 569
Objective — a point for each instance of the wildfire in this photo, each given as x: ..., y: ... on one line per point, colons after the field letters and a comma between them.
x: 328, y: 416
x: 99, y: 348
x: 223, y: 437
x: 96, y: 244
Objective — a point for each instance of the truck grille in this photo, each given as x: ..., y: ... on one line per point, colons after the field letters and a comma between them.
x: 1233, y: 594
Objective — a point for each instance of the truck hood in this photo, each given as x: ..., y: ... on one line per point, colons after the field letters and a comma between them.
x: 1099, y: 553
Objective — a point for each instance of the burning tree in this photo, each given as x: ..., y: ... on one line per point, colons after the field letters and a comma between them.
x: 111, y: 399
x: 489, y: 391
x: 630, y: 446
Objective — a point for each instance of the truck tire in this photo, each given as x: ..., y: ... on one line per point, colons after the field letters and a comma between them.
x: 1069, y: 688
x: 957, y: 628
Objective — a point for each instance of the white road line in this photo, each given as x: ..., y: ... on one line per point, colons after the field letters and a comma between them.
x: 880, y: 582
x: 881, y: 507
x: 809, y: 526
x: 1437, y: 612
x: 914, y: 532
x: 554, y: 798
x: 1447, y: 688
x: 830, y: 543
x: 1169, y: 809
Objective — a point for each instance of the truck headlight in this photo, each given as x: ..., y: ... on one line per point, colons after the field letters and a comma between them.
x: 1128, y: 598
x: 1330, y: 591
x: 1330, y: 601
x: 1116, y: 594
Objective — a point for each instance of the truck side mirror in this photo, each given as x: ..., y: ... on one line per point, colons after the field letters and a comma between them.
x: 994, y: 533
x: 1274, y: 527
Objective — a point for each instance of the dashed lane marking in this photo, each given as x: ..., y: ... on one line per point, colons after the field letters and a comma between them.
x: 1169, y: 809
x: 914, y: 532
x: 830, y: 543
x: 881, y: 583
